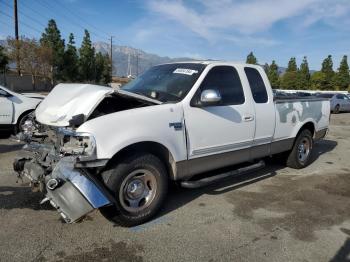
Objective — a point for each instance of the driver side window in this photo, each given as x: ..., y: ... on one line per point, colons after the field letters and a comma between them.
x: 225, y: 79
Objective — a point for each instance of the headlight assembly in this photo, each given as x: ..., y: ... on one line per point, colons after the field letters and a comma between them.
x: 73, y: 143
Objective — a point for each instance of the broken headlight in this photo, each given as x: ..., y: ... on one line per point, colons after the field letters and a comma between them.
x: 73, y: 143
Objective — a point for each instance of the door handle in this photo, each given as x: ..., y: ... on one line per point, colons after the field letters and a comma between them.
x: 248, y: 118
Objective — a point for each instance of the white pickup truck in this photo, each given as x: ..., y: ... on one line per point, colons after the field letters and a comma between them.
x: 116, y: 150
x: 15, y: 108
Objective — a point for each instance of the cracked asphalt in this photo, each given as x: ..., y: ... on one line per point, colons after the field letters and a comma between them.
x: 274, y: 214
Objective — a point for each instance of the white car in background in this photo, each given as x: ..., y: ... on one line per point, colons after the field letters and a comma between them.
x: 15, y: 108
x: 339, y: 102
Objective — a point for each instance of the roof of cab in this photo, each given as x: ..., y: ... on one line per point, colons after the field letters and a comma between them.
x: 214, y: 62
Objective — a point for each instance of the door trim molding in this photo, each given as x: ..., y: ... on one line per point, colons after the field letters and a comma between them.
x: 221, y: 148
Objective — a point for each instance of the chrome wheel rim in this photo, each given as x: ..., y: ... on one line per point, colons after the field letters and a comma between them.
x: 22, y: 122
x: 138, y: 190
x: 304, y: 149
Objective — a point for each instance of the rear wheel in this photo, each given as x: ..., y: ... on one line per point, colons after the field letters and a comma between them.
x: 299, y: 157
x: 139, y: 184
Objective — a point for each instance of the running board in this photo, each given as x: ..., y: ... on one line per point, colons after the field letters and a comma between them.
x: 209, y: 180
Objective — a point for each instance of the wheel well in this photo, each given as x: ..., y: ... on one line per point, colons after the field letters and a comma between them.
x: 23, y: 114
x: 309, y: 126
x: 154, y: 148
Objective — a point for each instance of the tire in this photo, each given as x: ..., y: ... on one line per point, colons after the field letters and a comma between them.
x: 21, y: 121
x: 139, y: 184
x: 336, y: 109
x: 299, y: 156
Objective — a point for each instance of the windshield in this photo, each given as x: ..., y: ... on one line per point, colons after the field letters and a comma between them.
x: 166, y: 83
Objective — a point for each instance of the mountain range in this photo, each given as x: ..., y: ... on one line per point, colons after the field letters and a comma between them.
x: 131, y: 61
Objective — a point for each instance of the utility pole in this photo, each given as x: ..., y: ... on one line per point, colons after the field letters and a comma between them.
x: 17, y: 38
x: 137, y: 63
x: 111, y: 50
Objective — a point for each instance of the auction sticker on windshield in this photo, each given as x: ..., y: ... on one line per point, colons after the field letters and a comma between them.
x: 185, y: 71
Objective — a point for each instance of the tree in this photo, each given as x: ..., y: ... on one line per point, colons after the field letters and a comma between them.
x: 70, y: 61
x: 251, y: 59
x: 289, y: 79
x: 35, y: 59
x: 87, y: 59
x: 304, y: 75
x: 327, y: 70
x: 4, y: 60
x: 103, y: 69
x: 342, y: 77
x: 292, y: 65
x: 273, y: 75
x: 51, y: 38
x: 318, y: 80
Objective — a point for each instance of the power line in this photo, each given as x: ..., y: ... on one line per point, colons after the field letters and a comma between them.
x: 10, y: 26
x: 50, y: 7
x: 81, y: 18
x: 48, y: 18
x: 22, y: 23
x: 29, y: 17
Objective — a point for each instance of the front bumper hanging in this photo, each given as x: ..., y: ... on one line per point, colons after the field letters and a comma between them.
x: 71, y: 192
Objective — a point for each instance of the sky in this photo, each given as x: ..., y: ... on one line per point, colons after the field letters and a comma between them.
x: 211, y: 29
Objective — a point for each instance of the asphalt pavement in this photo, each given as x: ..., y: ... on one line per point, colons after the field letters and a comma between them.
x: 274, y: 214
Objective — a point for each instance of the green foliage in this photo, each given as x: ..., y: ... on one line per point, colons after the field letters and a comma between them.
x: 290, y: 77
x: 327, y: 69
x: 4, y: 60
x: 273, y: 75
x: 292, y: 65
x: 87, y: 59
x: 318, y: 81
x: 51, y: 38
x: 342, y: 77
x: 103, y: 69
x: 70, y: 63
x: 251, y: 59
x: 304, y: 77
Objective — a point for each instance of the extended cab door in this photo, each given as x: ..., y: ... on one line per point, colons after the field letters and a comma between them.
x: 222, y: 134
x: 6, y: 108
x: 264, y: 111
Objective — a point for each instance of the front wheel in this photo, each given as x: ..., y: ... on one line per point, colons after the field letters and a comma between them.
x: 139, y: 184
x: 300, y: 155
x: 22, y: 121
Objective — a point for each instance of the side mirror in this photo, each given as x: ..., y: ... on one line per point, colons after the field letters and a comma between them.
x: 210, y: 97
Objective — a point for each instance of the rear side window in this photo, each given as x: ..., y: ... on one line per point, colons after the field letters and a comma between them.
x: 226, y: 80
x: 257, y: 85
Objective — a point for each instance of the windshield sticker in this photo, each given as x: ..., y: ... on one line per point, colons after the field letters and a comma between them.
x: 185, y: 71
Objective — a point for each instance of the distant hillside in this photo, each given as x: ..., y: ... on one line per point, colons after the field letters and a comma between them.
x: 139, y: 60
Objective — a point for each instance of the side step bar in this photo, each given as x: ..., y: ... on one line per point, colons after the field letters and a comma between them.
x: 209, y: 180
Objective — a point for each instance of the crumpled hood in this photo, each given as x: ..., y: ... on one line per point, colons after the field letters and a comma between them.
x: 68, y: 100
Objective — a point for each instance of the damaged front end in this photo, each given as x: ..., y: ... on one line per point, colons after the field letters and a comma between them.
x: 62, y: 162
x: 55, y: 161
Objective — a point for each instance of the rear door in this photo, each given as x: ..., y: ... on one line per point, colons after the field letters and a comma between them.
x: 264, y: 111
x: 6, y: 108
x: 224, y: 128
